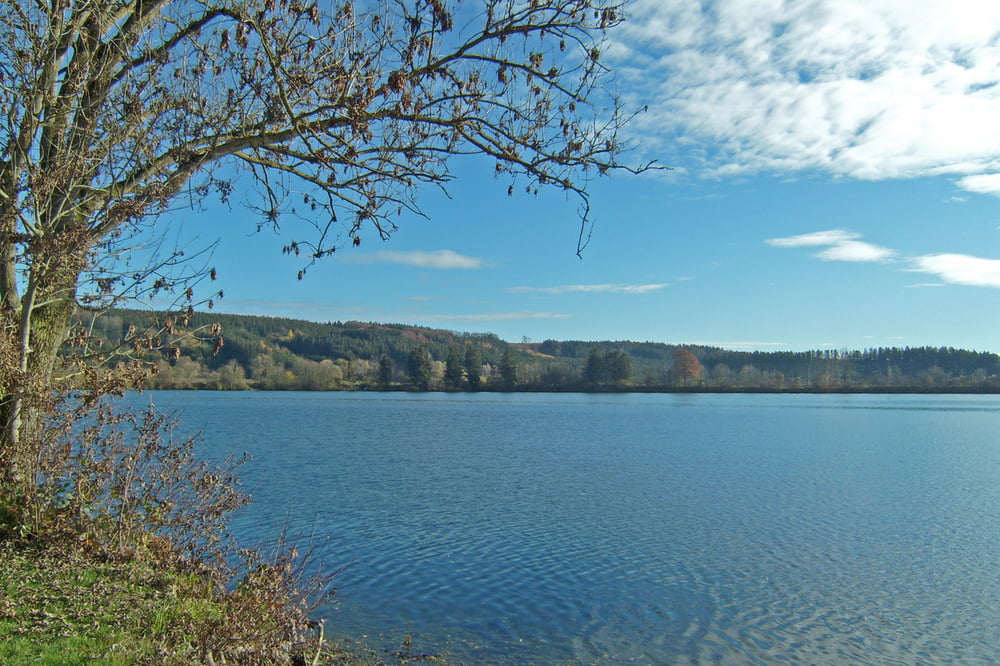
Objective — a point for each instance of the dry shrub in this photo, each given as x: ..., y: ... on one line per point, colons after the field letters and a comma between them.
x: 120, y: 485
x: 124, y: 484
x: 267, y: 619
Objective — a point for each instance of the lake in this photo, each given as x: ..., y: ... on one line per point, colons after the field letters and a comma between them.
x: 634, y: 528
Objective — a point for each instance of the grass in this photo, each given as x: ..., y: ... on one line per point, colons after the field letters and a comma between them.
x: 59, y: 607
x: 56, y: 607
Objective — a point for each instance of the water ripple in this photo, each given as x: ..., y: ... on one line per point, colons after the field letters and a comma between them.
x: 639, y: 529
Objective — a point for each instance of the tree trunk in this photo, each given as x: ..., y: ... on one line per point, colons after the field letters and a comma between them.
x: 37, y: 332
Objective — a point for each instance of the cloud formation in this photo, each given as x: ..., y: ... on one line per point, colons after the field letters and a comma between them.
x: 960, y: 269
x: 591, y: 289
x: 987, y: 183
x: 436, y: 259
x: 869, y: 90
x: 840, y: 246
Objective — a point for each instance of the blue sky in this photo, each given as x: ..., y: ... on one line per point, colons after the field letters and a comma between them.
x: 836, y: 184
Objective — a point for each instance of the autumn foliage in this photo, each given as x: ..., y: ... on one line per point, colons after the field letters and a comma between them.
x: 686, y: 366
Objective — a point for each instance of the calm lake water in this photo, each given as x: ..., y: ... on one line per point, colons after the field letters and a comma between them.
x: 638, y: 529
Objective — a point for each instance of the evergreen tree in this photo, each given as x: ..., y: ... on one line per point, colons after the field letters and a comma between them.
x: 473, y: 365
x: 596, y: 369
x: 619, y: 366
x: 453, y: 374
x: 508, y: 370
x: 384, y: 372
x: 419, y: 367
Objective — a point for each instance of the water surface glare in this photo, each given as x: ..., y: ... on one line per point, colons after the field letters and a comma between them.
x: 640, y: 529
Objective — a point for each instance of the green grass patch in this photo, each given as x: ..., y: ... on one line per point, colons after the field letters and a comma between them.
x: 59, y: 607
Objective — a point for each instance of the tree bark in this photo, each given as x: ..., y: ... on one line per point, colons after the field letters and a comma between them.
x: 38, y: 330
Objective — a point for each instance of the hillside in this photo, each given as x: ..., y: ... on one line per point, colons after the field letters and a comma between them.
x: 271, y: 353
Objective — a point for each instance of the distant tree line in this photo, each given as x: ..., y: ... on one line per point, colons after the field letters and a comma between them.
x: 272, y: 353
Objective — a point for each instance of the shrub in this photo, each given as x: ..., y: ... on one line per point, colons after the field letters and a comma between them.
x: 122, y: 483
x: 119, y: 486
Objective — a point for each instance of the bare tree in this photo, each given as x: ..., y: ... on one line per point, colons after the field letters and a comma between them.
x: 333, y: 116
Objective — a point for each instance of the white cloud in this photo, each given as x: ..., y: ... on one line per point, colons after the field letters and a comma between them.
x: 842, y: 246
x: 831, y: 237
x: 870, y: 90
x: 437, y: 259
x: 960, y: 269
x: 591, y: 289
x: 987, y: 183
x: 850, y: 250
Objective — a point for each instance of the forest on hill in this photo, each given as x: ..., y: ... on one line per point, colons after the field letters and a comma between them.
x: 274, y: 353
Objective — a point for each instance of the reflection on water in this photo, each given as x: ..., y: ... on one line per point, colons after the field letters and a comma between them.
x: 647, y: 529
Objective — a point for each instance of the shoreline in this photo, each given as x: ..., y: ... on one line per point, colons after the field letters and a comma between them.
x: 840, y: 390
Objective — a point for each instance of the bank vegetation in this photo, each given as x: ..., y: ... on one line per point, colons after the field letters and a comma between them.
x: 268, y: 353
